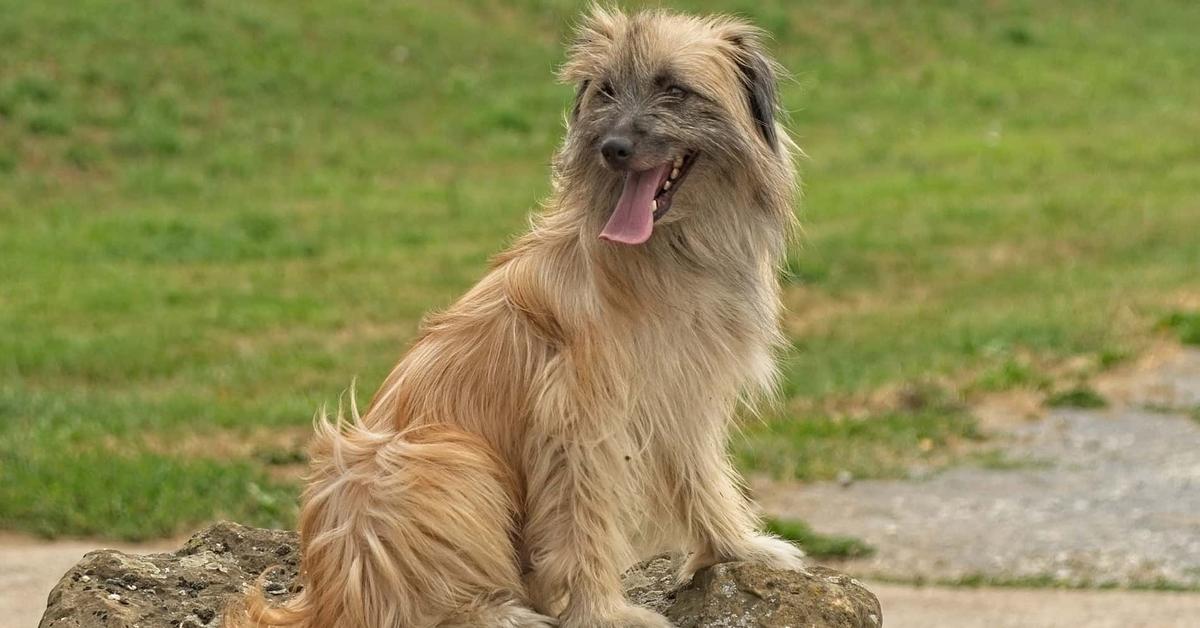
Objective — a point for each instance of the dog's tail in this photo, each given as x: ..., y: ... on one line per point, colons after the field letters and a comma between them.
x: 398, y: 528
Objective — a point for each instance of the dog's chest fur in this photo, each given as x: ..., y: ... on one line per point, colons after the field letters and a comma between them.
x: 689, y: 360
x: 712, y: 345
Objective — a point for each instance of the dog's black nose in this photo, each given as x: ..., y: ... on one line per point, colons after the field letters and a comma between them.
x: 617, y: 150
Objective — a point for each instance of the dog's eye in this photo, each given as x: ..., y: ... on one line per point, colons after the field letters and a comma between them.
x: 606, y: 90
x: 676, y: 91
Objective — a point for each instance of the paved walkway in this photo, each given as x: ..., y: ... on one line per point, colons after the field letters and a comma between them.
x: 909, y: 607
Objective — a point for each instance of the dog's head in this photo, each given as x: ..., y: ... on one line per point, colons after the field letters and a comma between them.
x: 670, y: 111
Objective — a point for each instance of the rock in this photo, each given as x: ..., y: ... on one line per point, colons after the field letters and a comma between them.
x: 187, y: 588
x: 190, y: 587
x: 845, y: 478
x: 746, y: 595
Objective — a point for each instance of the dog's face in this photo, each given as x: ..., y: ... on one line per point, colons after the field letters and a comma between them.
x: 668, y: 108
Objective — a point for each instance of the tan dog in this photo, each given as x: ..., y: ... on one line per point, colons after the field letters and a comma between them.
x: 569, y: 414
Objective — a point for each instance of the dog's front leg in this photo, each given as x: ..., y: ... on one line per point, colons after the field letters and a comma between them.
x: 573, y: 535
x: 722, y: 523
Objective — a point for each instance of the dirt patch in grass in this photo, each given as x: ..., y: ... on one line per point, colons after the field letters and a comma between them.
x: 810, y: 310
x: 271, y: 446
x: 1141, y: 382
x: 930, y: 393
x: 1001, y: 411
x: 279, y: 452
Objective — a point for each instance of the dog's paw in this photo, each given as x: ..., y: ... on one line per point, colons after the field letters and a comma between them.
x: 525, y: 618
x: 500, y: 614
x: 773, y: 552
x: 628, y: 616
x: 769, y: 551
x: 697, y: 561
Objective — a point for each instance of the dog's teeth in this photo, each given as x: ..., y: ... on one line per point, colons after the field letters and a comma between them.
x: 654, y: 205
x: 667, y: 184
x: 678, y: 162
x: 674, y: 172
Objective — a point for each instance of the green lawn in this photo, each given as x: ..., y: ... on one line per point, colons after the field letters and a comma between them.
x: 215, y: 213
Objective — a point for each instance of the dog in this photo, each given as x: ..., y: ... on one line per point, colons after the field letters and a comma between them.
x: 569, y: 414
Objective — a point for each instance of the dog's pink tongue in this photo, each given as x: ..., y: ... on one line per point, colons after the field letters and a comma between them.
x: 632, y: 219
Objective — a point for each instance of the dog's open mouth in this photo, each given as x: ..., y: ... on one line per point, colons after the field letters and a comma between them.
x: 645, y: 198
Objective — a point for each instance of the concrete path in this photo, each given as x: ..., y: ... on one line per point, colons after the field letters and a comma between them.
x: 934, y: 607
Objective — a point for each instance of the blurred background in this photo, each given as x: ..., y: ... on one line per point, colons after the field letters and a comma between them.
x: 215, y: 214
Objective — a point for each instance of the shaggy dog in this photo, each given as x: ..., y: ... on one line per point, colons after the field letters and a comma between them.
x: 569, y: 414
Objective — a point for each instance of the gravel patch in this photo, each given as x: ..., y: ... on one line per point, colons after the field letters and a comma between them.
x: 1109, y: 497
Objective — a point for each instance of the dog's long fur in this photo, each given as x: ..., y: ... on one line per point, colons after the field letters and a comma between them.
x: 569, y: 413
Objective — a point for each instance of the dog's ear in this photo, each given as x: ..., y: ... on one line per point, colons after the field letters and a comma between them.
x: 759, y: 79
x: 758, y: 74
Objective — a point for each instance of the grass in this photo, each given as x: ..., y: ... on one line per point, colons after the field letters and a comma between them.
x: 816, y: 545
x: 1078, y: 397
x: 134, y: 496
x: 1000, y: 460
x: 215, y: 214
x: 821, y: 447
x: 1186, y: 325
x: 1008, y: 375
